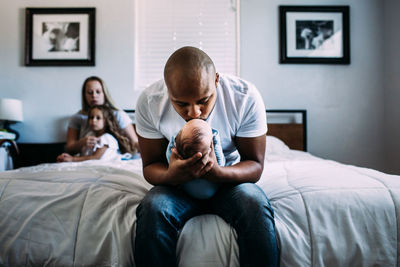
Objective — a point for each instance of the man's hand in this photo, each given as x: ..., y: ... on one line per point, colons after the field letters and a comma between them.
x: 188, y: 169
x: 213, y: 172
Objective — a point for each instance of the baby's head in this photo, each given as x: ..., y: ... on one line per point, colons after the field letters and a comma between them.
x: 195, y: 136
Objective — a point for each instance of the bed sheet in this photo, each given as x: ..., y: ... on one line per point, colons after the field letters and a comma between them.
x: 70, y: 214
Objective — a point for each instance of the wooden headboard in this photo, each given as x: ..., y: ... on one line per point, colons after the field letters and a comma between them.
x: 292, y: 132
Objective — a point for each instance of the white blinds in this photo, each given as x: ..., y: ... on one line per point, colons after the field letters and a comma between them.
x: 162, y: 26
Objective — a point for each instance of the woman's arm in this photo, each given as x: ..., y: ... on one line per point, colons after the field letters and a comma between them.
x: 74, y: 144
x: 65, y: 157
x: 130, y: 132
x: 96, y: 155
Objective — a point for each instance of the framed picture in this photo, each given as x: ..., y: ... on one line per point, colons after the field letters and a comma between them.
x: 60, y: 37
x: 314, y: 34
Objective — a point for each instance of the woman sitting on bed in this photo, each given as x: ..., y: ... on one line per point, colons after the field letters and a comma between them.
x: 104, y: 127
x: 94, y: 92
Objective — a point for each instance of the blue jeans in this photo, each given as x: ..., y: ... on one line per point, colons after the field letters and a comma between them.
x: 165, y: 209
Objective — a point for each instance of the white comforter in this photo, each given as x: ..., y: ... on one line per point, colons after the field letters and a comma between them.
x: 83, y: 214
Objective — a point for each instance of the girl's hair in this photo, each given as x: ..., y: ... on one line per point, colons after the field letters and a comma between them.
x: 112, y: 127
x: 107, y: 97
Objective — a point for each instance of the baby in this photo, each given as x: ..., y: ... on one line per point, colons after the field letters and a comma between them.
x: 197, y: 136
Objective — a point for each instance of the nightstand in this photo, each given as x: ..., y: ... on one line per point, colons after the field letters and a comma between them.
x: 8, y: 154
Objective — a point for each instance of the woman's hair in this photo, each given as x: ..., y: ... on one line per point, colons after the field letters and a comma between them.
x: 107, y: 97
x: 112, y: 127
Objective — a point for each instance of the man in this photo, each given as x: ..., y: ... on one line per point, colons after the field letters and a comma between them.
x: 192, y: 89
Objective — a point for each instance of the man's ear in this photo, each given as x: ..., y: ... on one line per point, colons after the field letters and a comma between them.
x: 216, y: 79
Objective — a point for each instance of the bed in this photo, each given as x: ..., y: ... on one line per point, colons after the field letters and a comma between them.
x: 83, y: 214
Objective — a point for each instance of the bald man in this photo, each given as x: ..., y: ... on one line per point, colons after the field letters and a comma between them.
x: 192, y: 89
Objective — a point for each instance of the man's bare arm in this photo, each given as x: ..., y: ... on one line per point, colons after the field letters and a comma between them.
x: 156, y: 169
x: 154, y: 163
x: 250, y: 167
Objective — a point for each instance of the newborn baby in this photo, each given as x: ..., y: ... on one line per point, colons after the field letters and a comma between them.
x: 197, y: 136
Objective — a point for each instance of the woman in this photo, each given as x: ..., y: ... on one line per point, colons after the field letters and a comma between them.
x: 94, y: 92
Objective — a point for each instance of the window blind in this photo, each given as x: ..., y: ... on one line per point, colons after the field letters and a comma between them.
x: 163, y: 26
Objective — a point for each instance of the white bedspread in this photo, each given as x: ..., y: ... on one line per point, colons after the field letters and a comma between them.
x: 83, y: 214
x: 70, y: 214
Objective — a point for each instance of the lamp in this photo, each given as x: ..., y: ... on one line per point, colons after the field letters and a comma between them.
x: 10, y: 112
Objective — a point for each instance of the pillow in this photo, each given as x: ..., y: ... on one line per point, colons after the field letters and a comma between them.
x: 275, y: 145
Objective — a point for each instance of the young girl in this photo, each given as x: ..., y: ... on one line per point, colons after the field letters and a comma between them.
x: 109, y: 139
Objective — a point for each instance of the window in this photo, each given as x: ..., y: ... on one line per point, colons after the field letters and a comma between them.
x: 163, y: 26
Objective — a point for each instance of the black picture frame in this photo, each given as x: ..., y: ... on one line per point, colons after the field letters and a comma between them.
x: 314, y: 34
x: 60, y: 36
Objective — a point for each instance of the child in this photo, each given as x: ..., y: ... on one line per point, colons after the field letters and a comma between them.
x: 109, y: 137
x: 197, y: 136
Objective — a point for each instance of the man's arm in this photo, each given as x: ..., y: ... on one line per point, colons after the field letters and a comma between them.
x: 156, y: 169
x: 250, y: 167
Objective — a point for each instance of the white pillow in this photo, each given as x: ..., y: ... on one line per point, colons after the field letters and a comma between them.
x: 275, y: 145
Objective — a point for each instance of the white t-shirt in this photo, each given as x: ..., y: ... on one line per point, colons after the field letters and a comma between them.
x: 112, y: 151
x: 239, y: 111
x: 79, y: 122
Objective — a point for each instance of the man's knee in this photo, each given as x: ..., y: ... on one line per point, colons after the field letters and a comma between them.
x: 253, y: 200
x: 155, y: 203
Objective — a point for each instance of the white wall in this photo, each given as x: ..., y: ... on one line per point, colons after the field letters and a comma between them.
x: 345, y: 103
x: 392, y: 85
x: 51, y: 94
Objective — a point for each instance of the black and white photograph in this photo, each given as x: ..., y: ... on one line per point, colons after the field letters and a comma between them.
x: 60, y: 37
x: 314, y: 34
x: 311, y: 35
